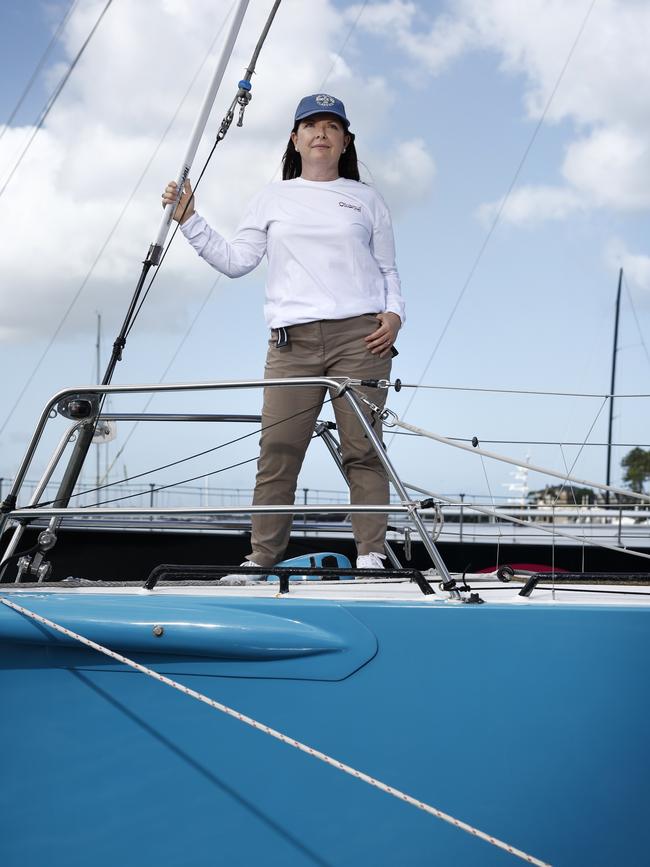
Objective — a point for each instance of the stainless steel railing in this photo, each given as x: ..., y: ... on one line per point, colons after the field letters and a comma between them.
x: 86, y: 399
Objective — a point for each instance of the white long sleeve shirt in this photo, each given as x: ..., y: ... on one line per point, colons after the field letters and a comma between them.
x: 329, y: 245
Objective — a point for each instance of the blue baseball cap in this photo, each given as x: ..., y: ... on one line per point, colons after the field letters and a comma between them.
x: 320, y: 103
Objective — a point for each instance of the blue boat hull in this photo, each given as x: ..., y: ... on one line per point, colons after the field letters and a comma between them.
x: 528, y: 722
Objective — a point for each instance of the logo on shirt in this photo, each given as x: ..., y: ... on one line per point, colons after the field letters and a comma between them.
x: 324, y: 100
x: 347, y: 205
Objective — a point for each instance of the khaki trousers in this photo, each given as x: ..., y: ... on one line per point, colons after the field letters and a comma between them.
x: 333, y: 347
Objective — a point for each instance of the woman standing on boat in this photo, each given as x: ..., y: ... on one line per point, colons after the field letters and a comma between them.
x: 334, y: 307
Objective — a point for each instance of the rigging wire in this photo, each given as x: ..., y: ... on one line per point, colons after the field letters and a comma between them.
x: 339, y: 53
x: 636, y: 319
x: 113, y: 229
x: 391, y: 418
x: 580, y: 450
x: 494, y: 506
x: 404, y: 433
x: 520, y: 391
x: 39, y: 66
x: 568, y: 472
x: 502, y: 205
x: 53, y: 98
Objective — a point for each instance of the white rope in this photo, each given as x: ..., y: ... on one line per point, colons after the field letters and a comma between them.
x: 389, y: 790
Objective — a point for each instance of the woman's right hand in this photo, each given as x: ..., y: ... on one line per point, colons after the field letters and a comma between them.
x: 185, y: 206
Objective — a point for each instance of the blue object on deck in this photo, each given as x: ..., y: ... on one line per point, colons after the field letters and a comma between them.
x: 321, y: 560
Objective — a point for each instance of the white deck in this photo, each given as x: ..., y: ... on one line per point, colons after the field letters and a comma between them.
x: 380, y: 590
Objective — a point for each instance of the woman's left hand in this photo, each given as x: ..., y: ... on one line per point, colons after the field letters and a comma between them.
x: 381, y: 340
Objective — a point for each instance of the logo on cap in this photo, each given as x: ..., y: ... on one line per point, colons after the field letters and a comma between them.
x: 325, y: 100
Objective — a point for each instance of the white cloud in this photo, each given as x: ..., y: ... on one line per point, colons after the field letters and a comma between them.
x: 448, y: 38
x: 603, y: 92
x: 636, y: 266
x: 394, y: 15
x: 433, y: 45
x: 531, y: 204
x: 405, y: 175
x: 611, y: 168
x: 66, y: 196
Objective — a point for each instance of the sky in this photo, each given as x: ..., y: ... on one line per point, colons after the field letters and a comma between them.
x: 509, y: 138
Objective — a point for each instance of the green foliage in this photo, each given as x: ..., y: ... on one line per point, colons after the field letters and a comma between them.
x: 636, y: 464
x: 563, y: 494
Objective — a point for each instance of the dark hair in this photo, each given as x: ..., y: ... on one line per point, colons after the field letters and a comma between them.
x: 348, y: 167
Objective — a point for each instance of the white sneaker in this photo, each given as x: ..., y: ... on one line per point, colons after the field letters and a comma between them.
x: 371, y: 561
x: 238, y: 578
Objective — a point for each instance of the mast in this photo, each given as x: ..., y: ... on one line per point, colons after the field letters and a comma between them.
x: 98, y: 362
x: 613, y: 384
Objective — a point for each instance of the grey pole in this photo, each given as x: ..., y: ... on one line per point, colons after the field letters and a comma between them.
x: 612, y: 386
x: 201, y: 121
x: 399, y: 487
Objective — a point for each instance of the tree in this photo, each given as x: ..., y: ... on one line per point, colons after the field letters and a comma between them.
x: 563, y: 494
x: 636, y: 464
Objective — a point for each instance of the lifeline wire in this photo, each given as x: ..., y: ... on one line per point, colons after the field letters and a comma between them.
x: 391, y: 418
x: 191, y: 458
x: 517, y: 463
x: 285, y: 739
x: 403, y: 433
x: 155, y: 490
x: 504, y: 201
x: 519, y: 391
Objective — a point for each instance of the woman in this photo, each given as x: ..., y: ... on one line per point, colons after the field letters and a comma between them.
x: 334, y: 307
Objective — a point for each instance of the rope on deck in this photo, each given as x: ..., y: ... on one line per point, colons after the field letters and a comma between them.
x: 285, y: 739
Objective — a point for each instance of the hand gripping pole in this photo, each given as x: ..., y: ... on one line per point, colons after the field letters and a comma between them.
x: 155, y: 250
